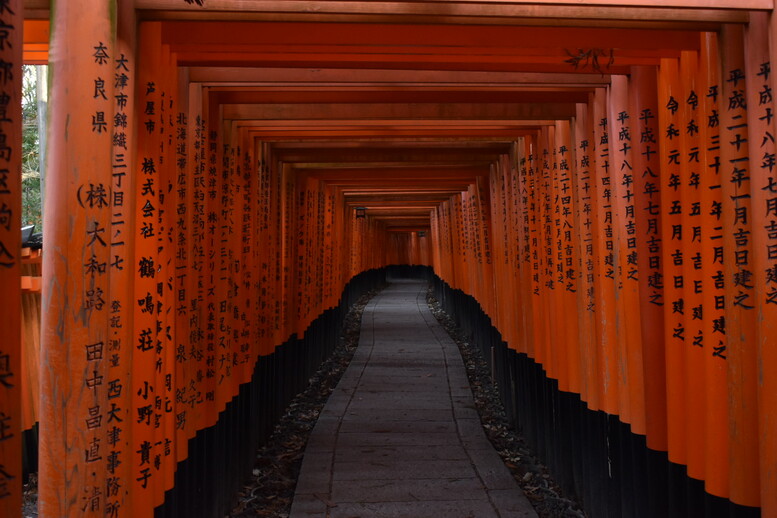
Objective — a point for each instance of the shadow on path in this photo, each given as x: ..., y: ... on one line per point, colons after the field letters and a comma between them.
x: 400, y: 435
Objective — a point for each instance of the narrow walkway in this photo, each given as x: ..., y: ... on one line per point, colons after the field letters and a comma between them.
x: 400, y: 436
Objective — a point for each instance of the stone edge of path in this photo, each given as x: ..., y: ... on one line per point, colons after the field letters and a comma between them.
x: 279, y: 460
x: 532, y: 476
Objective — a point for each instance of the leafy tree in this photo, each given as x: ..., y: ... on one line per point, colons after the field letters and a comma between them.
x: 31, y: 181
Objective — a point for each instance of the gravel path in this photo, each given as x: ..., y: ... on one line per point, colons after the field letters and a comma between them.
x: 533, y: 476
x: 270, y: 490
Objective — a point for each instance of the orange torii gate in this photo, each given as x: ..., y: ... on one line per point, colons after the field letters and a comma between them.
x: 657, y: 192
x: 203, y: 238
x: 163, y: 323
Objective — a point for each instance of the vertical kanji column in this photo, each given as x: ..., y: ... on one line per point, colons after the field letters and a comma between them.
x: 10, y: 251
x: 119, y: 501
x: 75, y: 411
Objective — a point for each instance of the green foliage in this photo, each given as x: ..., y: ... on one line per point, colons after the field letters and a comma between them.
x: 31, y: 183
x: 31, y: 204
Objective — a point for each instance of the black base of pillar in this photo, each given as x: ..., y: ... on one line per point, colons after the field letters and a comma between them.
x: 221, y: 457
x: 594, y: 457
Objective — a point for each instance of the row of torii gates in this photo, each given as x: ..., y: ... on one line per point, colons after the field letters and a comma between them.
x: 594, y: 183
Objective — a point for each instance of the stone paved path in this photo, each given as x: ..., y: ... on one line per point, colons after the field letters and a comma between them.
x: 400, y: 436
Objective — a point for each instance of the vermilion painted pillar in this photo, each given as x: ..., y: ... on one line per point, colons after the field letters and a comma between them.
x: 717, y: 469
x: 692, y: 167
x: 457, y: 233
x: 671, y: 246
x: 485, y: 259
x: 512, y: 248
x: 501, y: 242
x: 211, y: 204
x: 531, y: 207
x: 328, y: 253
x: 273, y: 257
x: 444, y: 242
x: 768, y: 384
x: 251, y: 281
x: 191, y: 195
x: 567, y: 253
x: 10, y: 260
x: 122, y: 274
x: 604, y: 250
x: 146, y: 341
x: 736, y: 170
x: 434, y: 235
x: 630, y: 371
x: 186, y: 342
x: 172, y: 413
x: 585, y: 216
x: 286, y: 250
x: 628, y: 323
x: 245, y: 269
x: 545, y: 333
x: 646, y: 189
x: 76, y: 412
x: 763, y: 168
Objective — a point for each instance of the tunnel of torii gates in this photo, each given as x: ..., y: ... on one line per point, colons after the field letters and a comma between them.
x: 590, y: 188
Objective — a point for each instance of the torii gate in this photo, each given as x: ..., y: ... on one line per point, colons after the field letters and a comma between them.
x: 200, y: 219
